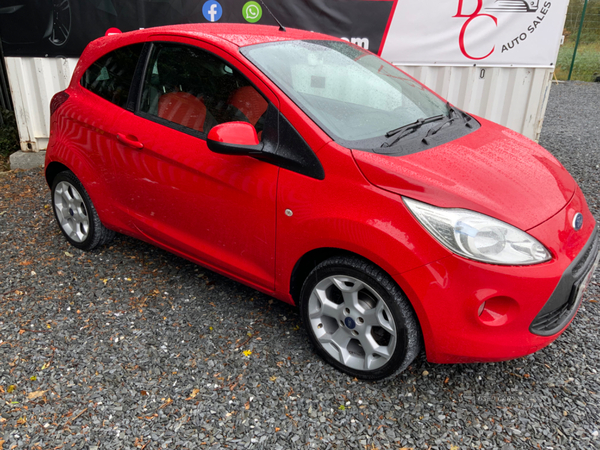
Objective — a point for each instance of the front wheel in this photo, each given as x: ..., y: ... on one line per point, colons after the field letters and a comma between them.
x: 75, y: 213
x: 358, y: 318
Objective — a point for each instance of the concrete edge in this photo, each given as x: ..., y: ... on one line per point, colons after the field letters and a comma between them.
x: 27, y: 160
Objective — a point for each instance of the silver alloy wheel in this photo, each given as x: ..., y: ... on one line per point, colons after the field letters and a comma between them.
x: 71, y: 212
x: 352, y: 322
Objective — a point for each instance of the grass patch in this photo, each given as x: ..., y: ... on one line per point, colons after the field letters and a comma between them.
x: 9, y: 139
x: 586, y: 65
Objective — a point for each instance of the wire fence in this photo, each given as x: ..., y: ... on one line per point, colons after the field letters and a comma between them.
x: 582, y: 37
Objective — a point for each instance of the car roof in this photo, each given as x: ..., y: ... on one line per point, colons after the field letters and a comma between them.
x: 221, y: 34
x: 239, y: 35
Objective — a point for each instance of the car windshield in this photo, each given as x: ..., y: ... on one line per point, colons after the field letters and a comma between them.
x: 352, y: 94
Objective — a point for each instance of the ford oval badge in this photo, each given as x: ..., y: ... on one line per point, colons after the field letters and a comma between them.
x: 350, y: 323
x: 577, y: 221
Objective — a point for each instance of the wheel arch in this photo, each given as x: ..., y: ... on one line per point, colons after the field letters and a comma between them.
x: 308, y: 262
x: 313, y: 258
x: 68, y: 158
x: 53, y: 169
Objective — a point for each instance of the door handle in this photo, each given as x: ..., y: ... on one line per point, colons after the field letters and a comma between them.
x: 130, y: 141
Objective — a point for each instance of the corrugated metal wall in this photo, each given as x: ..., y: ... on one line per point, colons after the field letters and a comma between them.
x: 514, y: 97
x: 33, y: 82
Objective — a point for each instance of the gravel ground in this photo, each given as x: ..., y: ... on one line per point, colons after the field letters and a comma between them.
x: 132, y: 347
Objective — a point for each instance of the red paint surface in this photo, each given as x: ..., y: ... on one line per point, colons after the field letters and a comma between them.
x: 241, y: 133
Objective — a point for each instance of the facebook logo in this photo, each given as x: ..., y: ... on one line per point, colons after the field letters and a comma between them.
x: 212, y: 10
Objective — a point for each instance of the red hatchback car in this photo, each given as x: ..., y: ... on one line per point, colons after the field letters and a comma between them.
x: 317, y: 173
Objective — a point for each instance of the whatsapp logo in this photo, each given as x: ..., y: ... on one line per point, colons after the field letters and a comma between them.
x: 252, y: 12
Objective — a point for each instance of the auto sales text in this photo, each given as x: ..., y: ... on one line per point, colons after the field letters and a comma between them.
x: 531, y: 28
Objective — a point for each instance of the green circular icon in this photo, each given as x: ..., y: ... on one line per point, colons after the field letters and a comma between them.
x: 252, y: 12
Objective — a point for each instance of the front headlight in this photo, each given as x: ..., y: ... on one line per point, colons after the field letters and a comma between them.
x: 477, y: 236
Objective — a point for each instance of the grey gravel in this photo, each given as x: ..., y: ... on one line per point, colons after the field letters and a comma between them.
x: 132, y: 347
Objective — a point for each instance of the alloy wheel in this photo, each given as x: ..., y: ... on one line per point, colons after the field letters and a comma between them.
x: 71, y: 212
x: 352, y: 322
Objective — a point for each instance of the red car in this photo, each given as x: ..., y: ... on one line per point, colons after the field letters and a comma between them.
x: 317, y: 173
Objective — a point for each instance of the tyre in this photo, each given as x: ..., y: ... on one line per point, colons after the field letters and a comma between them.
x: 76, y: 215
x: 358, y: 318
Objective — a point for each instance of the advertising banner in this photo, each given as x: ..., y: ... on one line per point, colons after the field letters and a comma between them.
x: 520, y: 33
x: 65, y: 27
x: 418, y: 32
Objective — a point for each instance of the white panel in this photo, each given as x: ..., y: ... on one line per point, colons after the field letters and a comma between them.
x: 33, y: 82
x: 515, y: 97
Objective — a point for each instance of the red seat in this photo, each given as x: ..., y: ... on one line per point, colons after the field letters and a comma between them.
x: 249, y: 102
x: 183, y: 108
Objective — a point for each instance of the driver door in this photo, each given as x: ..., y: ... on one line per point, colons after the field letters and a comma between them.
x: 218, y: 209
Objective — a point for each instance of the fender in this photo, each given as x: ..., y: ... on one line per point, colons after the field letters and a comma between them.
x: 79, y: 163
x: 321, y: 214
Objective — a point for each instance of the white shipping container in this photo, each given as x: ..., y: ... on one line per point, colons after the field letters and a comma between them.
x: 515, y: 97
x: 33, y: 82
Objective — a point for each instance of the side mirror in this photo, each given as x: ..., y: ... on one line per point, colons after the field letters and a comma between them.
x: 234, y: 138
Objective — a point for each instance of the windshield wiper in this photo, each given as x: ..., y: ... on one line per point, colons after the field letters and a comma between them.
x: 414, y: 125
x: 451, y: 112
x: 409, y: 129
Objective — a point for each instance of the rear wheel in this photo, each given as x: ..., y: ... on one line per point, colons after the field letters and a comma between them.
x: 358, y: 318
x: 76, y: 215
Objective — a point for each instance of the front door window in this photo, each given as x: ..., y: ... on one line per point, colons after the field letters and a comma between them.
x: 192, y: 90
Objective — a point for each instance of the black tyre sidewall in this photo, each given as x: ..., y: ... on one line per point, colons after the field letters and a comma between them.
x: 91, y: 241
x: 404, y: 318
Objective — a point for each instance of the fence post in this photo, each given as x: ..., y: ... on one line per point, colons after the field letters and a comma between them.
x: 578, y: 37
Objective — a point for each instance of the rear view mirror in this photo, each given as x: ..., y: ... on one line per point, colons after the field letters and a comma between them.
x: 234, y: 138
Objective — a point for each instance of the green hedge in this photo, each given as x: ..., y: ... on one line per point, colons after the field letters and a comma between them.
x: 9, y: 136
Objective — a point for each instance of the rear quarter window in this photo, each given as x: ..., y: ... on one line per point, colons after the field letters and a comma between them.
x: 110, y: 76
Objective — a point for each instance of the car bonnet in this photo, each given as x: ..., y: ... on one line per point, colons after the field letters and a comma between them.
x: 494, y: 171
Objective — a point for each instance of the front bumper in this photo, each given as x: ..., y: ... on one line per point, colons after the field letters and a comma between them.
x: 564, y: 302
x: 476, y: 312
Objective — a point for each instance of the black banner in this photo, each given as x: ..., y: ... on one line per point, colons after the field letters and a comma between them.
x: 64, y: 27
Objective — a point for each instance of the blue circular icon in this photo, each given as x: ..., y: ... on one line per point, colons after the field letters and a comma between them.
x: 578, y: 221
x: 212, y: 10
x: 350, y: 323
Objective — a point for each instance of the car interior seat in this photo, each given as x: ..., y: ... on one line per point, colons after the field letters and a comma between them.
x: 172, y: 96
x: 183, y: 108
x: 247, y: 105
